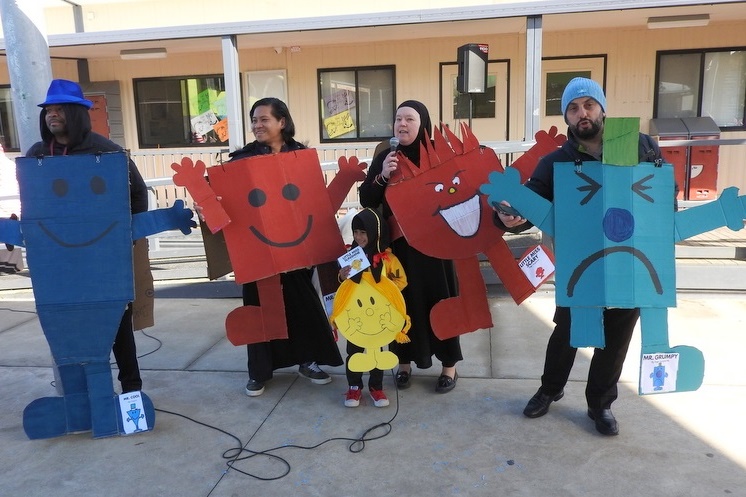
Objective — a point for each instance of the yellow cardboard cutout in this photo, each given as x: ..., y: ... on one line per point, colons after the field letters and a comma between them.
x: 371, y: 315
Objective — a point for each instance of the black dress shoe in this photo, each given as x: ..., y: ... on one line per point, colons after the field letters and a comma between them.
x: 540, y: 402
x: 446, y: 383
x: 402, y: 379
x: 605, y: 421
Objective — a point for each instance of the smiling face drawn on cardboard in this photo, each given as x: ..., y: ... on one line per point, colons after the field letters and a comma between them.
x: 369, y: 314
x: 76, y: 215
x: 281, y: 215
x: 448, y: 206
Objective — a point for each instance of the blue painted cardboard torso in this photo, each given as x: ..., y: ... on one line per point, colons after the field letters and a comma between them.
x: 615, y: 239
x: 77, y: 227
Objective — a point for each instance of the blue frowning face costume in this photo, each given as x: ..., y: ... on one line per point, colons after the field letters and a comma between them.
x: 626, y: 258
x: 615, y: 229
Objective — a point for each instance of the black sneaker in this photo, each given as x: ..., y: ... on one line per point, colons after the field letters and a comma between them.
x: 254, y: 388
x: 313, y: 372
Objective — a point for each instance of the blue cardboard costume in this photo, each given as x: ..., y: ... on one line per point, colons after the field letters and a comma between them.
x: 78, y: 232
x: 622, y: 255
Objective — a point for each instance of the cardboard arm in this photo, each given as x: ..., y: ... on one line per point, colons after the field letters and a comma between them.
x: 152, y: 222
x: 728, y: 210
x: 192, y: 176
x: 350, y: 172
x: 10, y: 232
x: 534, y: 207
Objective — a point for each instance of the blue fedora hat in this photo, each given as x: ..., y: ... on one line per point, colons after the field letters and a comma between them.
x: 62, y: 91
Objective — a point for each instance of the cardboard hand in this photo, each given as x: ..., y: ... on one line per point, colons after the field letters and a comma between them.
x: 181, y: 217
x: 152, y: 222
x: 10, y: 232
x: 350, y: 171
x: 192, y: 176
x: 734, y: 208
x: 546, y: 142
x: 507, y: 186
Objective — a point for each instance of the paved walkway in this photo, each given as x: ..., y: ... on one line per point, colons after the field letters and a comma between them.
x: 473, y: 441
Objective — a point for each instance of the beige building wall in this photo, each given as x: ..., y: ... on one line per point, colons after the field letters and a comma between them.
x: 630, y: 56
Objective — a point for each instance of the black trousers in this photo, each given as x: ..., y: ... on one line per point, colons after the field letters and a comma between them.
x: 355, y: 379
x: 606, y: 364
x: 125, y: 353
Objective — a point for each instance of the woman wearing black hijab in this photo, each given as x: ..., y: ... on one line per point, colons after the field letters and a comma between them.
x: 429, y: 279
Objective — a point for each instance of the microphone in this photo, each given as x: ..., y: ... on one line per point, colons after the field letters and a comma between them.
x: 394, y: 142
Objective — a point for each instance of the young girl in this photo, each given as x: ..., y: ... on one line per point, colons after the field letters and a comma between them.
x: 371, y: 234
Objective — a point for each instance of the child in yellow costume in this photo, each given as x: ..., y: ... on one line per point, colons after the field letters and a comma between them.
x: 369, y: 309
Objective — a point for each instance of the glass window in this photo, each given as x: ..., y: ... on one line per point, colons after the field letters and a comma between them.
x: 556, y: 83
x: 357, y: 104
x: 8, y: 133
x: 724, y: 87
x: 703, y: 83
x: 178, y: 112
x: 482, y: 104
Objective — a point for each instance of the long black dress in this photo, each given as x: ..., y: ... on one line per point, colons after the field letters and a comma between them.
x: 310, y: 336
x: 429, y: 280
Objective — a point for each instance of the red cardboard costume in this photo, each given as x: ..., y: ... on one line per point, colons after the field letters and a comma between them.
x: 277, y: 215
x: 451, y: 220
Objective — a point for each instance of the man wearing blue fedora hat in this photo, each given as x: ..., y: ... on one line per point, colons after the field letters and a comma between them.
x: 65, y: 126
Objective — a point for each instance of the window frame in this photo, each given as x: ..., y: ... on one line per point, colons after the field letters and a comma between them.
x: 11, y: 123
x: 356, y: 69
x: 184, y: 104
x: 702, y: 52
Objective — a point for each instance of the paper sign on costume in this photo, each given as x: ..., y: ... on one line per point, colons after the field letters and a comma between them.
x: 134, y: 418
x: 658, y: 372
x: 537, y: 265
x: 356, y: 259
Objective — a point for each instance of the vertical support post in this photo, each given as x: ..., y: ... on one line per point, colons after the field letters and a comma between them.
x: 533, y: 76
x: 29, y: 65
x: 231, y: 72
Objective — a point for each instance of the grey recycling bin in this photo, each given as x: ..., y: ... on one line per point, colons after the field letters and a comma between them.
x: 695, y: 167
x: 673, y: 128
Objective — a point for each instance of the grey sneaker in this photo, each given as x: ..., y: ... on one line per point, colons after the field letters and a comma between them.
x: 254, y: 388
x: 313, y: 372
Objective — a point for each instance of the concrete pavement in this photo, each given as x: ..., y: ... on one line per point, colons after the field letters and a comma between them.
x: 472, y: 441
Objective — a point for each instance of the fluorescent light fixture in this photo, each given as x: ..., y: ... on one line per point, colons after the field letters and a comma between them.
x: 143, y: 53
x: 685, y: 21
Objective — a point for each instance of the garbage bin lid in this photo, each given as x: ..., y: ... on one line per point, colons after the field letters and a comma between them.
x: 701, y: 126
x: 668, y: 126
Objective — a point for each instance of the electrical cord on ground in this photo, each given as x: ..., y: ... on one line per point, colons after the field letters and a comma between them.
x: 16, y: 311
x: 160, y: 344
x: 242, y: 453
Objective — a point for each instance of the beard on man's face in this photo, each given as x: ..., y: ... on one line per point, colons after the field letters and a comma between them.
x: 587, y: 132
